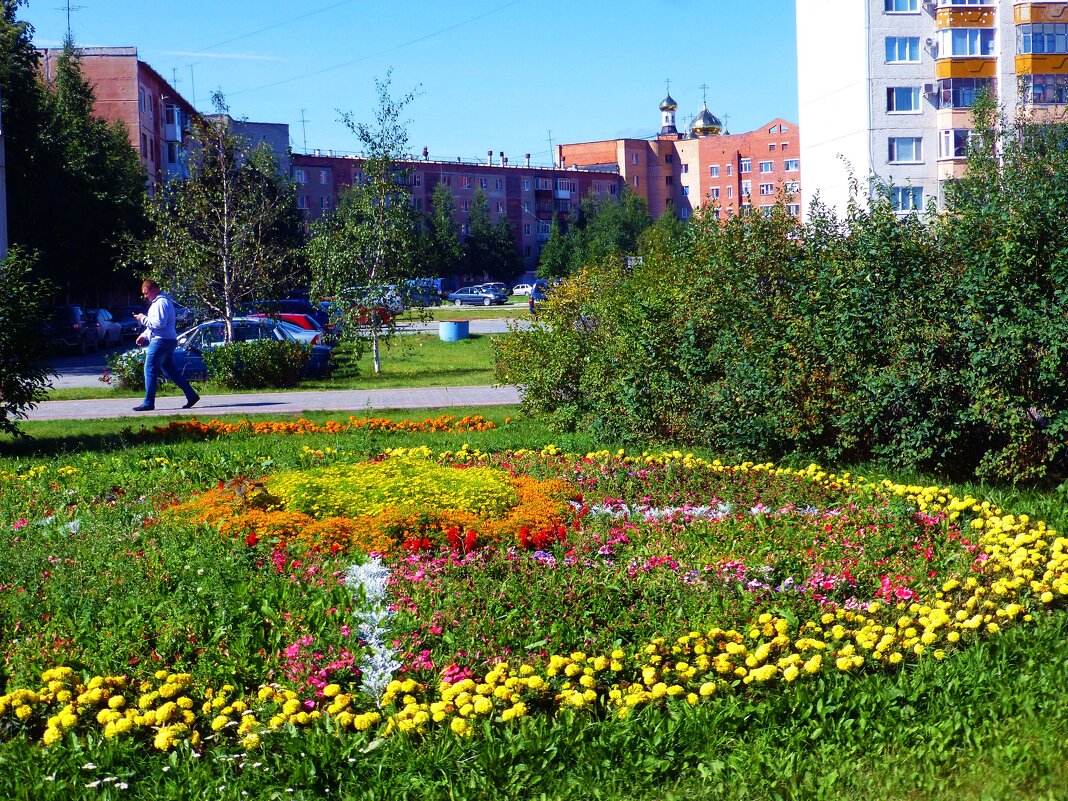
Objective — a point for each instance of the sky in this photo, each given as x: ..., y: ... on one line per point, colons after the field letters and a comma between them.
x: 511, y: 75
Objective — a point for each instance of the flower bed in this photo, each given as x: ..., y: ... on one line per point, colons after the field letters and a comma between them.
x: 421, y: 590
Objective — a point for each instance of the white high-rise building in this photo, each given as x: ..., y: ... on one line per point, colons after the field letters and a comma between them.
x: 885, y: 87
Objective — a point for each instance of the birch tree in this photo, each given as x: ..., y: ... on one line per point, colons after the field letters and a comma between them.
x: 372, y: 241
x: 228, y: 233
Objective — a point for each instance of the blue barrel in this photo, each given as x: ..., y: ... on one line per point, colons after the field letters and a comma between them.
x: 454, y: 330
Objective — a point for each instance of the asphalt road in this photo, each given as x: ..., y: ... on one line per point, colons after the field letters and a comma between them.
x: 85, y: 371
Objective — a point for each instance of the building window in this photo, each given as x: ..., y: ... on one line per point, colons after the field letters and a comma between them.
x: 685, y: 212
x: 771, y: 146
x: 482, y: 183
x: 685, y: 168
x: 324, y: 202
x: 793, y: 187
x: 713, y: 193
x: 730, y: 192
x: 526, y: 250
x: 767, y: 166
x: 634, y: 158
x: 1042, y: 90
x: 465, y: 229
x: 953, y: 143
x: 499, y: 183
x: 172, y: 152
x: 526, y: 229
x: 669, y: 180
x: 635, y: 180
x: 902, y: 49
x: 793, y: 209
x: 668, y: 158
x: 745, y: 208
x: 465, y: 182
x: 417, y: 202
x: 526, y: 184
x: 612, y: 189
x: 417, y: 179
x: 144, y: 147
x: 300, y: 176
x: 747, y: 166
x: 968, y: 42
x: 500, y: 207
x: 324, y: 177
x: 791, y: 165
x: 905, y: 150
x: 901, y: 6
x: 465, y: 206
x: 446, y: 180
x: 730, y: 170
x: 903, y: 99
x: 961, y: 92
x: 686, y: 191
x: 526, y: 207
x: 1042, y: 38
x: 767, y: 189
x: 784, y: 145
x: 767, y: 211
x: 907, y: 198
x: 141, y: 100
x: 714, y: 171
x: 747, y: 188
x: 302, y: 202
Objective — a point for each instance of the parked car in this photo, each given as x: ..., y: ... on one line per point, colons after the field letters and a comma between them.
x: 414, y: 293
x: 189, y: 355
x: 522, y: 289
x: 477, y: 296
x: 68, y: 328
x: 124, y: 316
x: 310, y: 330
x: 292, y: 306
x: 108, y: 331
x: 496, y: 286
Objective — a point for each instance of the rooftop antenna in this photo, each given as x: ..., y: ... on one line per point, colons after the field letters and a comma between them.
x: 69, y: 8
x: 193, y: 83
x: 552, y: 153
x: 304, y: 128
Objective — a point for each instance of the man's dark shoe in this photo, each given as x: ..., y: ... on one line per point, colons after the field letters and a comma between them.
x: 144, y: 407
x: 189, y: 404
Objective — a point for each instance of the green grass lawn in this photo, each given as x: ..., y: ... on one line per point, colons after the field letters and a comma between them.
x: 412, y: 360
x: 988, y: 722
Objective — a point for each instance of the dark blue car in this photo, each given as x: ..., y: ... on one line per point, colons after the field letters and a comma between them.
x: 189, y: 358
x: 477, y: 296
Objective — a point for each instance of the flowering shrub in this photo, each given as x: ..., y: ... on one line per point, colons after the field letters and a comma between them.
x: 257, y: 364
x: 521, y: 583
x: 196, y: 428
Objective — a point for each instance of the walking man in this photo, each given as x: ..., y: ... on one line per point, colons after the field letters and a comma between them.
x: 161, y: 338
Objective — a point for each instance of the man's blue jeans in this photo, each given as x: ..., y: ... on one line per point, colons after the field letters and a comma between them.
x: 160, y: 359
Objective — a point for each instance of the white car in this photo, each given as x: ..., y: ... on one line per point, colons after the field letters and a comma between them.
x: 522, y: 289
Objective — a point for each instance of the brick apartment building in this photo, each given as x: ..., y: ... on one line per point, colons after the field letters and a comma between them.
x: 129, y: 91
x: 527, y: 196
x: 682, y: 171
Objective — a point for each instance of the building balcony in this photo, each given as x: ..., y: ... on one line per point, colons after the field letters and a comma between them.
x: 1044, y: 64
x: 1025, y: 12
x: 966, y: 67
x: 982, y: 17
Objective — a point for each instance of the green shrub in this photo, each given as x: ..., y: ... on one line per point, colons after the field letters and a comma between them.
x: 23, y: 374
x: 127, y: 370
x: 930, y: 343
x: 257, y: 364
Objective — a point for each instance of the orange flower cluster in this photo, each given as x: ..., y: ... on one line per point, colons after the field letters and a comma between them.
x: 244, y: 510
x: 447, y: 424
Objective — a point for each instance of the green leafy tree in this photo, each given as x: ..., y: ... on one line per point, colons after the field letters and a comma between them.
x: 373, y: 239
x: 23, y: 374
x: 229, y: 233
x: 479, y: 253
x: 74, y: 182
x: 444, y: 244
x: 555, y: 261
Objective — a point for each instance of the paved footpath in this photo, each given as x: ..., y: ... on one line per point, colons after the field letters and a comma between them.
x: 355, y: 400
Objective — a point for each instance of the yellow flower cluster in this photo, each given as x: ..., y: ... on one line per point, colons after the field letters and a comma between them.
x: 28, y: 475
